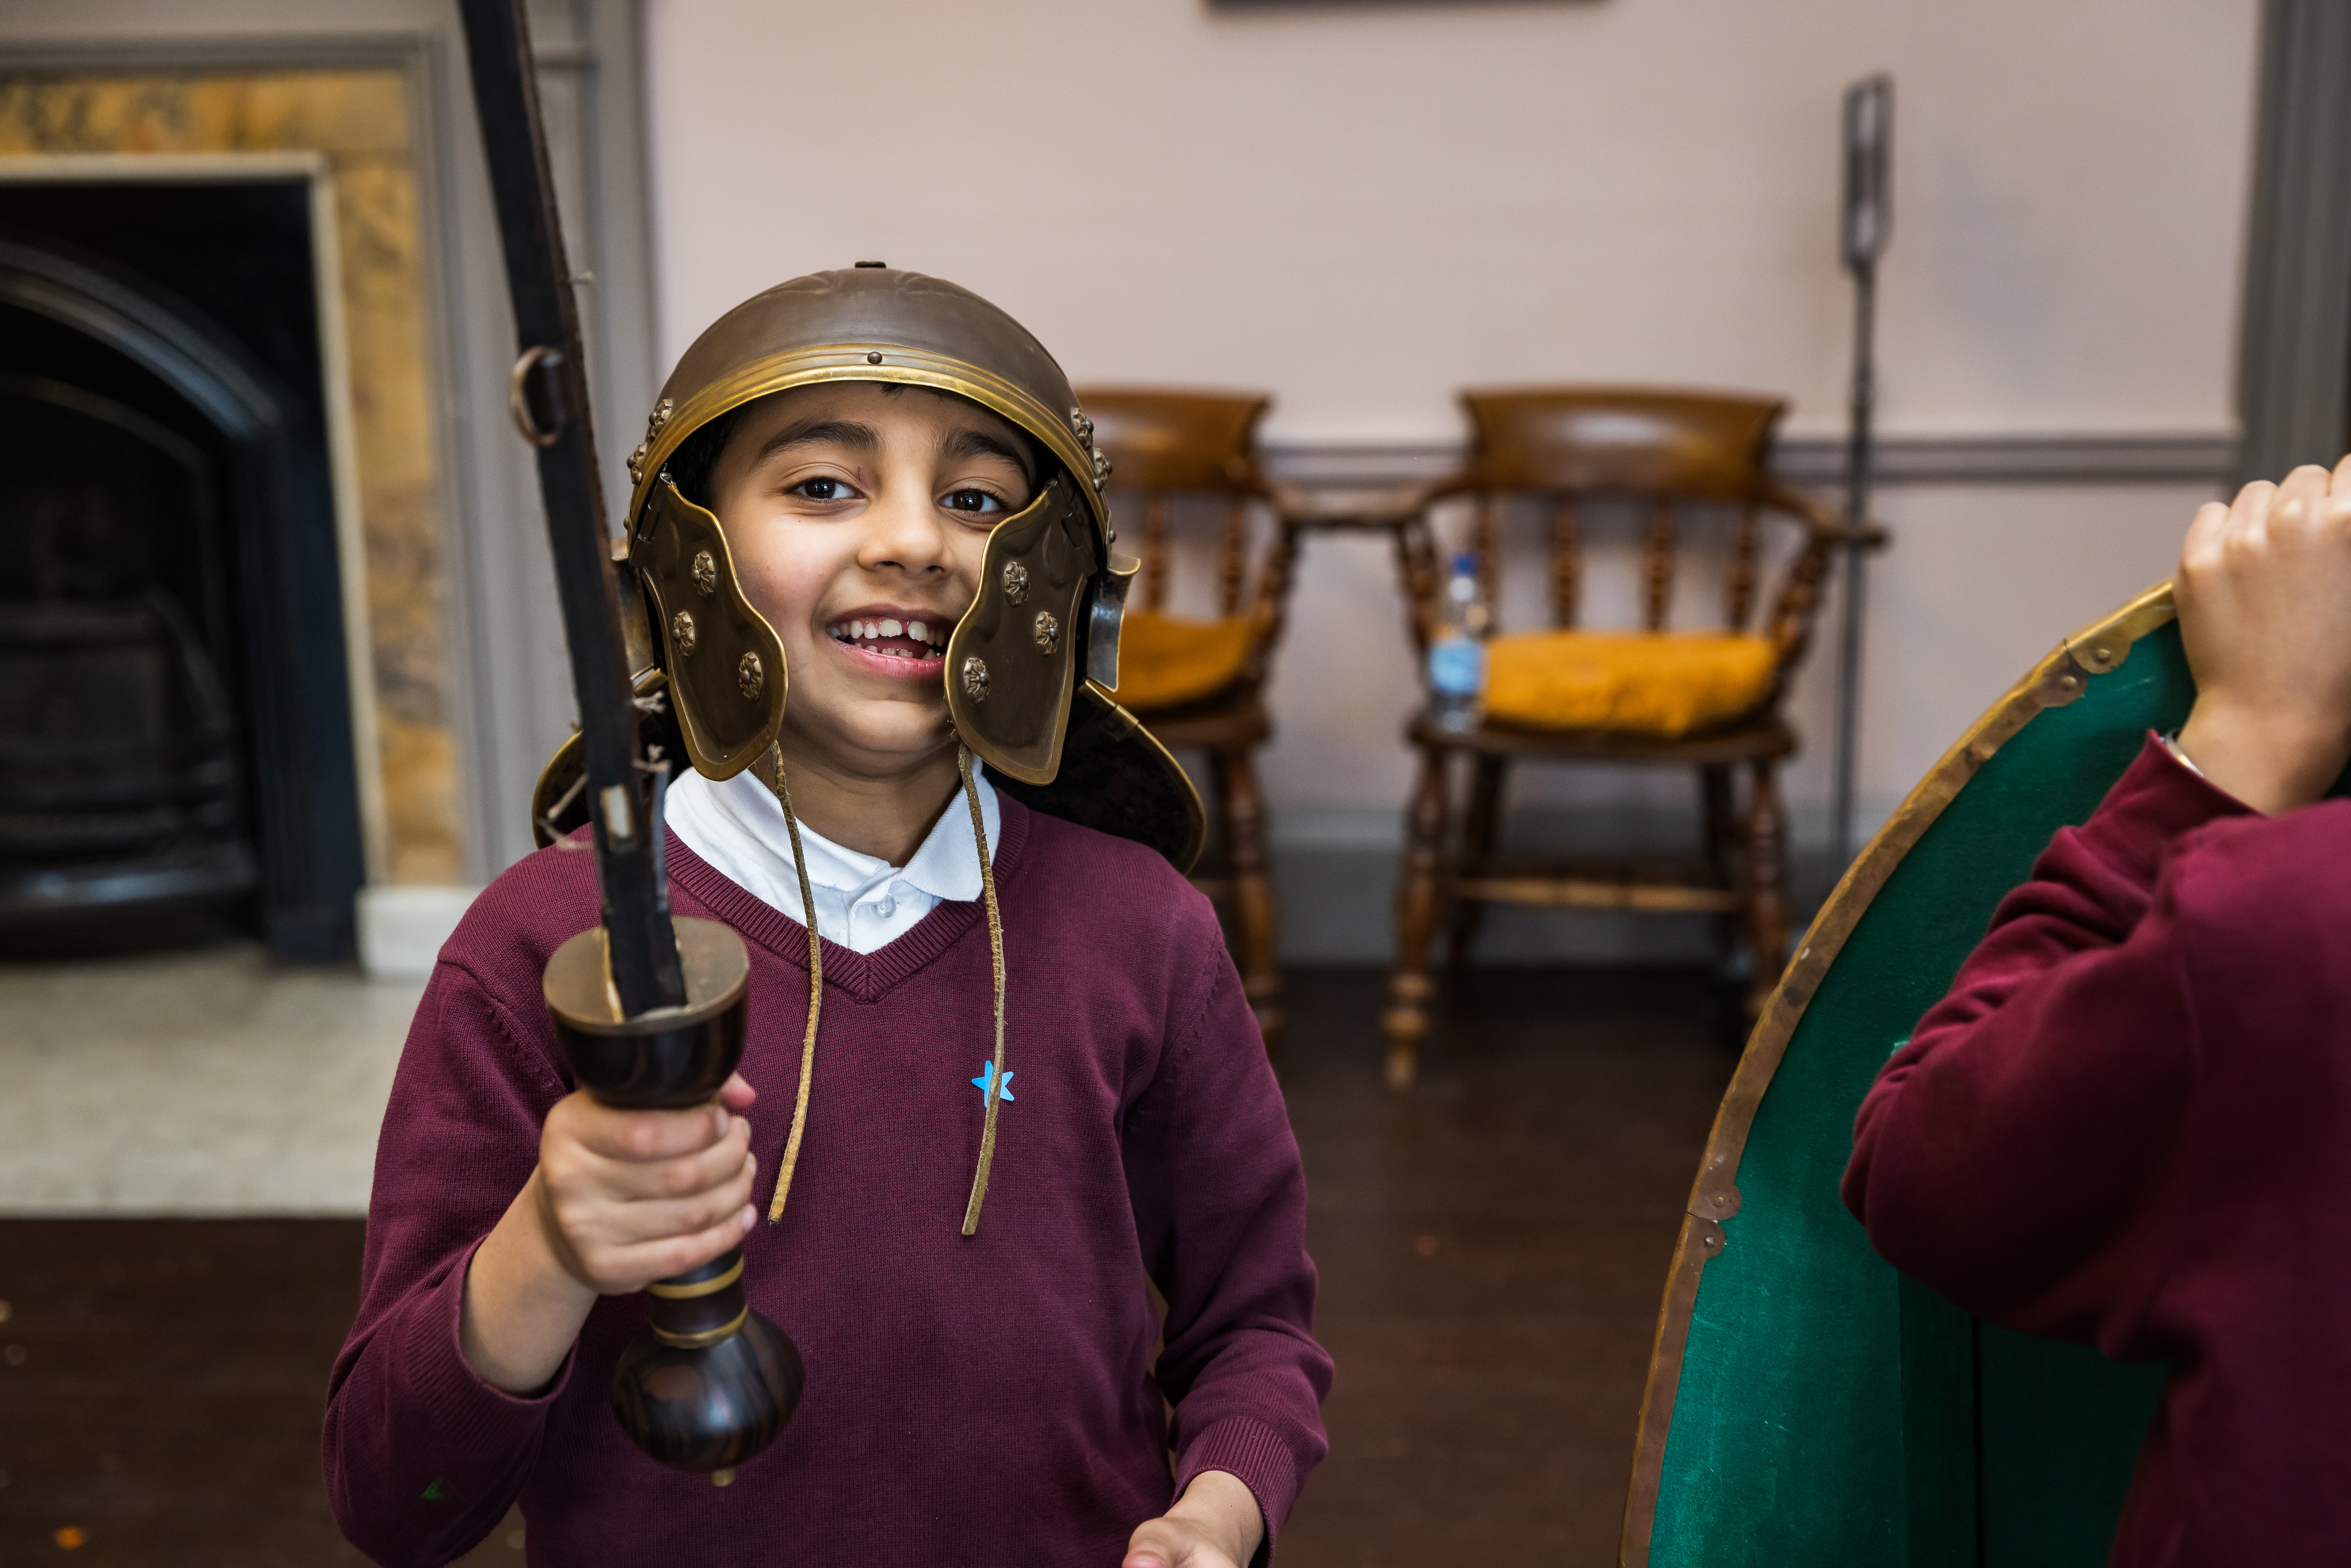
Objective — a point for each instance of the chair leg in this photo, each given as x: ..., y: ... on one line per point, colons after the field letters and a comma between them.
x: 1767, y: 897
x: 1253, y: 906
x: 1484, y: 826
x: 1723, y: 835
x: 1419, y: 898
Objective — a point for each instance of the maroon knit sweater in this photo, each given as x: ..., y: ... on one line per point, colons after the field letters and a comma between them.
x: 995, y: 1399
x: 2129, y: 1124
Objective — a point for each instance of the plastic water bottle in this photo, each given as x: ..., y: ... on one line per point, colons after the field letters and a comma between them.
x: 1457, y: 658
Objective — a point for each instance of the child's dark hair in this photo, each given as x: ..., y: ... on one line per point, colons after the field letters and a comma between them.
x: 690, y: 465
x: 696, y: 458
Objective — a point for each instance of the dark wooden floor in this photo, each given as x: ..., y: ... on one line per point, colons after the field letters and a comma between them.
x: 1492, y: 1245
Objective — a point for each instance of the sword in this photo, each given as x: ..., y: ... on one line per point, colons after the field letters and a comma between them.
x: 651, y: 1011
x: 548, y: 395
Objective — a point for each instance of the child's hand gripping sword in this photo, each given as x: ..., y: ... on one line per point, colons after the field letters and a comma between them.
x: 649, y: 1010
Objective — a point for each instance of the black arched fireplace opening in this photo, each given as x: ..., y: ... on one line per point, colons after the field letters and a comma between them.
x: 176, y: 747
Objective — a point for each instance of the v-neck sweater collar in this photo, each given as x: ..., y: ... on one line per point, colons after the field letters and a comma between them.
x: 864, y: 975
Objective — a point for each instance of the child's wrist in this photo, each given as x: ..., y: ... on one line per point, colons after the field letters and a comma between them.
x: 1221, y: 1503
x: 2273, y: 761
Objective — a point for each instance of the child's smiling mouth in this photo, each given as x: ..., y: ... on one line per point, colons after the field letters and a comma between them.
x: 894, y: 641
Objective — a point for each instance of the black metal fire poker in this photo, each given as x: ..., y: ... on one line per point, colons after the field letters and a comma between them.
x: 1868, y: 222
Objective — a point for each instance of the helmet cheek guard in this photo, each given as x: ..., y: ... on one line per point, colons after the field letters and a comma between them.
x: 726, y: 666
x: 1012, y: 661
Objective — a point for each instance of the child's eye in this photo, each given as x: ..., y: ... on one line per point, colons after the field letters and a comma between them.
x: 978, y: 502
x: 822, y: 488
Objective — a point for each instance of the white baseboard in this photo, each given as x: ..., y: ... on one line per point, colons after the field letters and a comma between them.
x: 402, y: 928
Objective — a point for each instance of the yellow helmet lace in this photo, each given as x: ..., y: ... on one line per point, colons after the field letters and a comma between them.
x: 816, y: 995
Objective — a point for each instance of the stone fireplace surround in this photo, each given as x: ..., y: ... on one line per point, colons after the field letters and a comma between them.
x: 454, y: 649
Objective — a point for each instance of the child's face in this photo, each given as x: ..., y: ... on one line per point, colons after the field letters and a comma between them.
x: 857, y: 518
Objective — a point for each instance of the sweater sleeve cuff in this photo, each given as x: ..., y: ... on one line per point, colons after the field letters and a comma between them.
x: 1254, y: 1454
x: 469, y: 1418
x: 2156, y: 800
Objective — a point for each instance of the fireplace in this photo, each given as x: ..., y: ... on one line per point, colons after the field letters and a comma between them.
x: 176, y: 736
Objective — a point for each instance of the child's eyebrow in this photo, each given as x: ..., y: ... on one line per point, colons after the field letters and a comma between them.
x: 815, y: 432
x: 970, y: 443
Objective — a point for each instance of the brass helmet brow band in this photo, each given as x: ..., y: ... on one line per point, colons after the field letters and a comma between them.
x: 1067, y: 433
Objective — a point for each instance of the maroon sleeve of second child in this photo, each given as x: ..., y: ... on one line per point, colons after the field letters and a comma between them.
x: 2022, y: 1153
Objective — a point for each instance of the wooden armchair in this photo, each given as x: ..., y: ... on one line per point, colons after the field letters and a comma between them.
x: 1185, y: 463
x: 1662, y: 462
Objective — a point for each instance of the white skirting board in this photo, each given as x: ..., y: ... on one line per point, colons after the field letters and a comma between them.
x: 402, y: 928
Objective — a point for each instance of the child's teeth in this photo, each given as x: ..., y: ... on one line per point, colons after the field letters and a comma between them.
x: 868, y: 631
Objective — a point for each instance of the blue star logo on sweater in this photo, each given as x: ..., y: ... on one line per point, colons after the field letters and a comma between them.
x: 987, y: 1076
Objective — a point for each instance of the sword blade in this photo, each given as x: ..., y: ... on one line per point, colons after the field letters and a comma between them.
x: 551, y: 398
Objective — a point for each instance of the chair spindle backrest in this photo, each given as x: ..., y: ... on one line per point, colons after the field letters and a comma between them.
x: 1570, y: 444
x: 1566, y: 551
x: 1232, y: 557
x: 1165, y: 444
x: 1657, y: 565
x: 1738, y: 582
x: 1155, y: 547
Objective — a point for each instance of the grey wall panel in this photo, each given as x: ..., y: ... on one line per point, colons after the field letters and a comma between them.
x: 2296, y: 374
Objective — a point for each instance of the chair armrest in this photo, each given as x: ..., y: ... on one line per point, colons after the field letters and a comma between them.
x: 1386, y: 509
x: 1828, y: 528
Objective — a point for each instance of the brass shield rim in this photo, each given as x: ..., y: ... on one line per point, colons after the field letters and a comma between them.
x: 2057, y: 680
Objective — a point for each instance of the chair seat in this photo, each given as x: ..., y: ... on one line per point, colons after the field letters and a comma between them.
x: 1768, y: 736
x: 1664, y: 685
x: 1166, y: 662
x: 1233, y: 719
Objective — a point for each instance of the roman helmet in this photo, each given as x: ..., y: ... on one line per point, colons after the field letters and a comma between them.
x: 1026, y: 665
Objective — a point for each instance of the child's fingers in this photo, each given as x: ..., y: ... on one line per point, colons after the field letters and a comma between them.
x: 2299, y: 504
x: 676, y: 1254
x: 2338, y: 497
x: 681, y: 1175
x: 626, y: 1270
x: 736, y: 1094
x: 652, y: 1134
x: 2206, y: 533
x: 629, y: 1225
x: 2251, y: 505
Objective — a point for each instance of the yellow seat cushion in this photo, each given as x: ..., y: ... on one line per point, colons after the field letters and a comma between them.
x: 1165, y: 662
x: 1666, y: 684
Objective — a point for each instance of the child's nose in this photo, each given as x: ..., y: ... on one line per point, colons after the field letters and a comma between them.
x: 904, y: 531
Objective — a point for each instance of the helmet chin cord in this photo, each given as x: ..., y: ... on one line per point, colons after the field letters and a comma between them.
x: 816, y: 999
x: 996, y: 957
x: 816, y: 994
